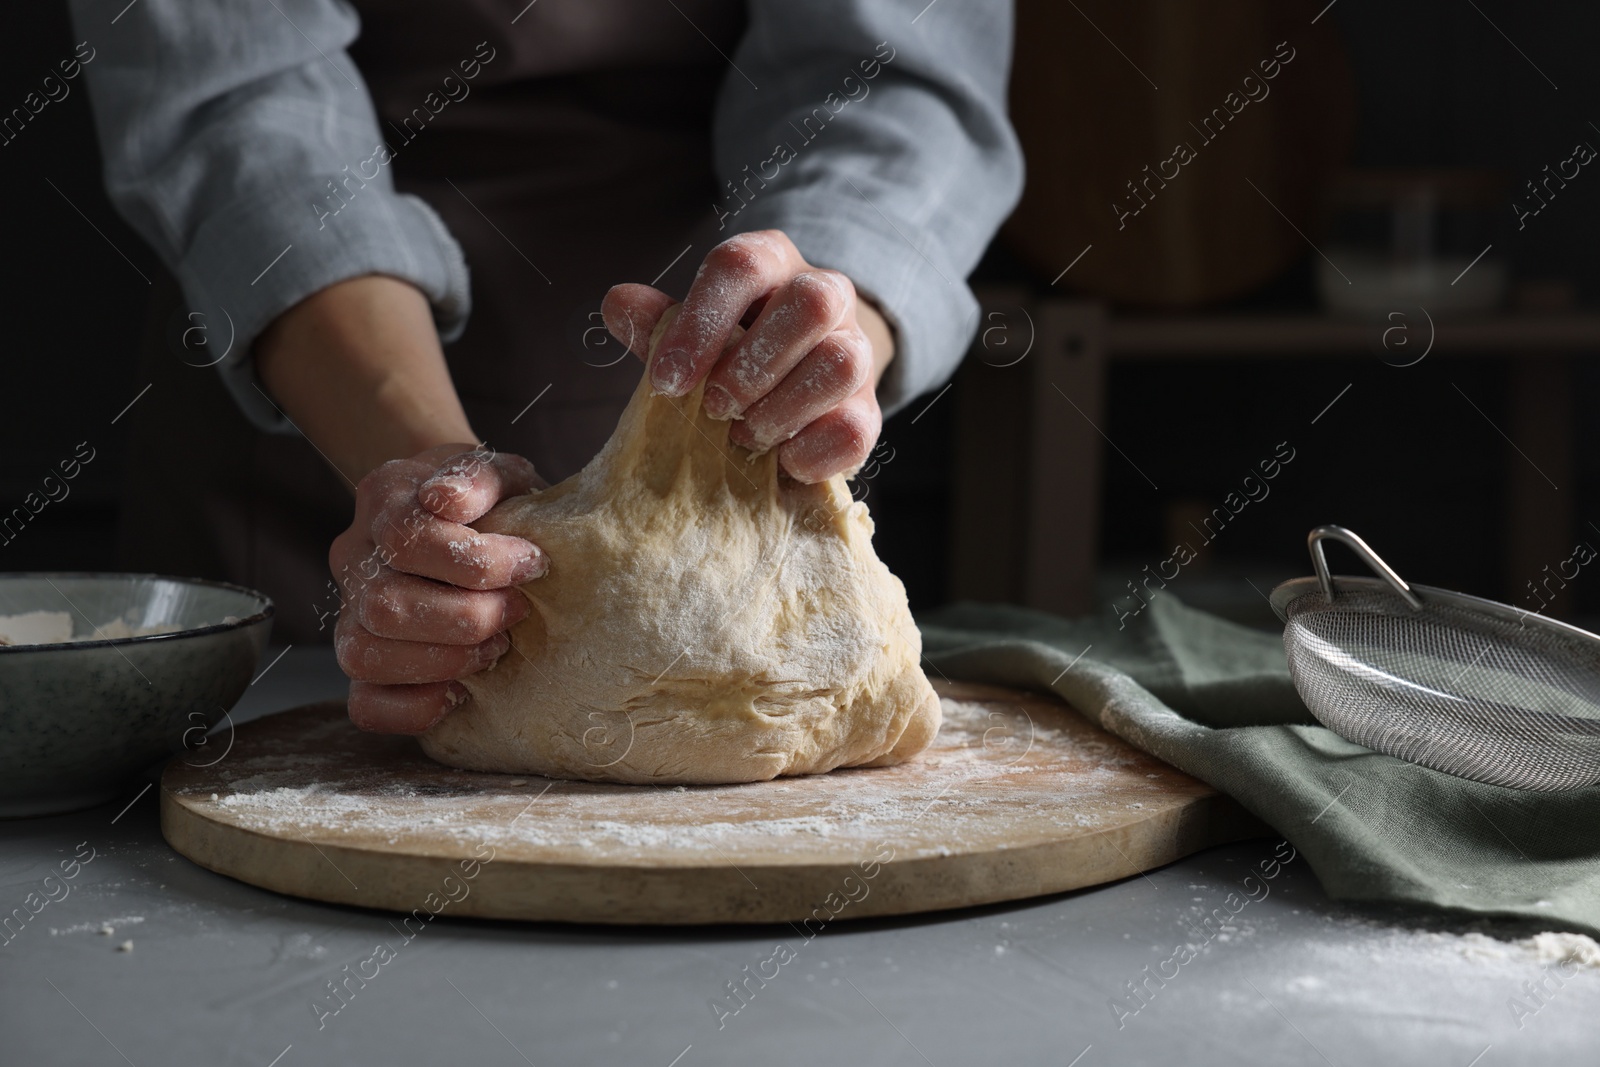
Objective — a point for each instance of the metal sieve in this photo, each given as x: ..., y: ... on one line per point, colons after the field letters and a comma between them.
x: 1467, y: 686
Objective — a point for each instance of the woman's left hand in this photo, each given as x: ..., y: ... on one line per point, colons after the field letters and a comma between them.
x: 804, y: 376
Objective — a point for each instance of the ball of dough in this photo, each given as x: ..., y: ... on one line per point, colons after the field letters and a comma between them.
x: 702, y: 622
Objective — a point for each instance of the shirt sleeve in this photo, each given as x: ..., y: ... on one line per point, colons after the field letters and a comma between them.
x: 239, y: 140
x: 874, y: 133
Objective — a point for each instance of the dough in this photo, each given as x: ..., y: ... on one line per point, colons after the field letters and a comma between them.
x: 701, y: 623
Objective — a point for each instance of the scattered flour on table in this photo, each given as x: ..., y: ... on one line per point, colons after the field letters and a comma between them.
x: 104, y: 927
x: 1544, y: 948
x: 1548, y: 947
x: 1337, y: 963
x: 300, y: 946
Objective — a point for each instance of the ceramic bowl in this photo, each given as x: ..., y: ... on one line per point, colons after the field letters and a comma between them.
x: 79, y: 720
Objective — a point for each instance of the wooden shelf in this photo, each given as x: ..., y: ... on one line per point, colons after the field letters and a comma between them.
x: 1027, y: 478
x: 1287, y: 337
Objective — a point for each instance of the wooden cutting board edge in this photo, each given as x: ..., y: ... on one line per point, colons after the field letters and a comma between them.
x: 696, y: 896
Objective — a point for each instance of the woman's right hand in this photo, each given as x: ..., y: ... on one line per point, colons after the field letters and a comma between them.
x: 426, y: 599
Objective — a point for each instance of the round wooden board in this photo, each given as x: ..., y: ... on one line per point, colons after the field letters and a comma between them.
x: 1019, y: 796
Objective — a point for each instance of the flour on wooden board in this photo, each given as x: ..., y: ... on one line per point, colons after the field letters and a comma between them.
x: 926, y: 805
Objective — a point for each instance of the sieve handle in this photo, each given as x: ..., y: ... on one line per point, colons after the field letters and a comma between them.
x: 1338, y: 533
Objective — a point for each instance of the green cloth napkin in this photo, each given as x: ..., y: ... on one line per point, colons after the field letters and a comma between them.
x: 1214, y: 699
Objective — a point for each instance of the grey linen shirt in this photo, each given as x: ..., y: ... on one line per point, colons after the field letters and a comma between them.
x: 872, y: 132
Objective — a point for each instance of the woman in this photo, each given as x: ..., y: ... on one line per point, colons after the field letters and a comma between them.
x: 319, y: 174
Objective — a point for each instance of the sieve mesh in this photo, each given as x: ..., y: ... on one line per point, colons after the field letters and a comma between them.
x: 1506, y: 699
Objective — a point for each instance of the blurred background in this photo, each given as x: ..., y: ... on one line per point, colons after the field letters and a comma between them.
x: 1157, y: 323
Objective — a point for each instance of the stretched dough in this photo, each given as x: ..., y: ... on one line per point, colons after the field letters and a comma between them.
x: 701, y: 623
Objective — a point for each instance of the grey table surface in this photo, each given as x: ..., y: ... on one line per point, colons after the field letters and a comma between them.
x: 222, y: 973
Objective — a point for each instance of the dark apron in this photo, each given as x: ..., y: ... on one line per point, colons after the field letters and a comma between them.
x: 579, y: 156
